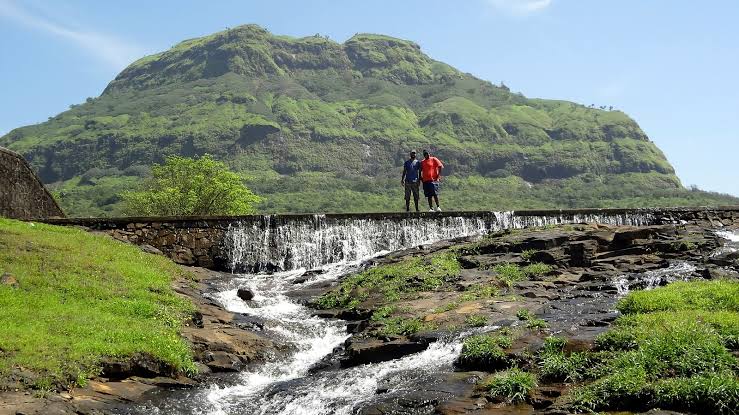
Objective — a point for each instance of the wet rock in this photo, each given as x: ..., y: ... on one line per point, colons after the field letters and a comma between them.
x: 582, y: 252
x: 180, y: 382
x: 245, y: 294
x: 726, y: 259
x: 249, y: 322
x: 197, y: 319
x: 551, y: 256
x: 362, y: 351
x: 141, y: 365
x: 468, y: 263
x: 220, y: 361
x: 356, y: 326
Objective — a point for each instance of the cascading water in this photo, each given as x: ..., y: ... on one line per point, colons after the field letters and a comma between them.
x: 677, y: 271
x: 287, y: 244
x: 337, y: 246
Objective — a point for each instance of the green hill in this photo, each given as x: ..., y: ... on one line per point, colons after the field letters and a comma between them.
x: 315, y: 125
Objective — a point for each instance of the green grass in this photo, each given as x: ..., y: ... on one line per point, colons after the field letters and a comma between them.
x: 83, y: 297
x: 671, y: 349
x: 389, y: 283
x: 476, y: 320
x: 510, y: 273
x: 512, y: 385
x: 697, y: 295
x: 531, y: 321
x: 405, y: 326
x: 528, y: 254
x: 485, y: 351
x: 478, y: 291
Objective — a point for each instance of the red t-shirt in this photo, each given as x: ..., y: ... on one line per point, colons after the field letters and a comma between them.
x: 430, y: 169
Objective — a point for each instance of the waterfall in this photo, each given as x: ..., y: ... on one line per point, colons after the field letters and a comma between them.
x: 337, y: 245
x: 289, y: 243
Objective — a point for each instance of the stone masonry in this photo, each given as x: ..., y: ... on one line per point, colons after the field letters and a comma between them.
x: 22, y: 195
x: 201, y: 241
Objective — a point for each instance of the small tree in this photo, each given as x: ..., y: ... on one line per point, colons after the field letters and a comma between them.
x: 185, y: 186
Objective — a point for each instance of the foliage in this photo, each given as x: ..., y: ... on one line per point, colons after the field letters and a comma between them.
x: 191, y: 187
x: 527, y: 254
x: 485, y: 351
x: 510, y: 273
x: 476, y: 320
x: 531, y: 321
x: 320, y: 126
x: 82, y: 298
x: 388, y: 283
x: 513, y: 385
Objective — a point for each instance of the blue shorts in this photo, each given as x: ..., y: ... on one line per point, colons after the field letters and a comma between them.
x: 430, y: 189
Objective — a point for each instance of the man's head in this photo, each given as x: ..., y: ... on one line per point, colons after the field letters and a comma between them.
x: 425, y: 154
x: 413, y: 154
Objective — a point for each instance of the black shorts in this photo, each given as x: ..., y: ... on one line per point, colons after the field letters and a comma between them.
x: 430, y: 189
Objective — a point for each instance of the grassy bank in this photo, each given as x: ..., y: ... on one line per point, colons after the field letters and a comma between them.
x: 80, y: 299
x: 673, y: 348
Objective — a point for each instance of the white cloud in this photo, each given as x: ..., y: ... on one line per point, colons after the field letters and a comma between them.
x: 520, y: 7
x: 110, y: 50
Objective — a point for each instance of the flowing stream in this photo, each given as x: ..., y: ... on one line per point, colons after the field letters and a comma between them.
x: 286, y: 385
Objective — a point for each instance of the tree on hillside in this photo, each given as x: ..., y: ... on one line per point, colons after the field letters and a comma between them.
x: 185, y: 186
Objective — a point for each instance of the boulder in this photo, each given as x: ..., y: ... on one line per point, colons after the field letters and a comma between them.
x: 151, y: 250
x: 245, y: 294
x: 142, y: 365
x: 362, y: 351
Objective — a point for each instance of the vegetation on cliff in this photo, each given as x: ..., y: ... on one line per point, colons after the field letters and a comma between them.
x: 316, y: 125
x: 71, y: 301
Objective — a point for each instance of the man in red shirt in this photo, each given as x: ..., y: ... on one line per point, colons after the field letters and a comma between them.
x: 430, y: 176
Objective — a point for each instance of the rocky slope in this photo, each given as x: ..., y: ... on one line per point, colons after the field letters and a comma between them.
x: 316, y: 125
x: 545, y: 301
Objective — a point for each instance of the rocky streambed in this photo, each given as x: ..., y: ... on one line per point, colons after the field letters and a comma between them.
x: 424, y: 330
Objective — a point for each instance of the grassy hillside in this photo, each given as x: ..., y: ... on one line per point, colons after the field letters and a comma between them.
x: 316, y: 125
x: 80, y: 298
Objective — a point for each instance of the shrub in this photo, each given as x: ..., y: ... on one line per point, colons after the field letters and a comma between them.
x: 512, y: 385
x: 485, y: 351
x: 476, y: 321
x: 190, y: 187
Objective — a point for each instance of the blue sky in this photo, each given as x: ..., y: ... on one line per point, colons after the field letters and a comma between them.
x: 670, y: 64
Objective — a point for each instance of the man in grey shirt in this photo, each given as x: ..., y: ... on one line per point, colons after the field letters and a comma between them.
x: 411, y: 179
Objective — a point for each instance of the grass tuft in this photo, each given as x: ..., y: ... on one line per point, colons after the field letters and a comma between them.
x: 512, y: 385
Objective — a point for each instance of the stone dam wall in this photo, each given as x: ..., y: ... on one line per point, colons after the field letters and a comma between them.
x: 258, y: 243
x: 22, y: 195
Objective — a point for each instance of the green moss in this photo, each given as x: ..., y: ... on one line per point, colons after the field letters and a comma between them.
x: 81, y: 298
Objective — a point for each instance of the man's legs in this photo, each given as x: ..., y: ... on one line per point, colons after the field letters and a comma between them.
x: 408, y: 197
x: 436, y: 199
x: 415, y: 195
